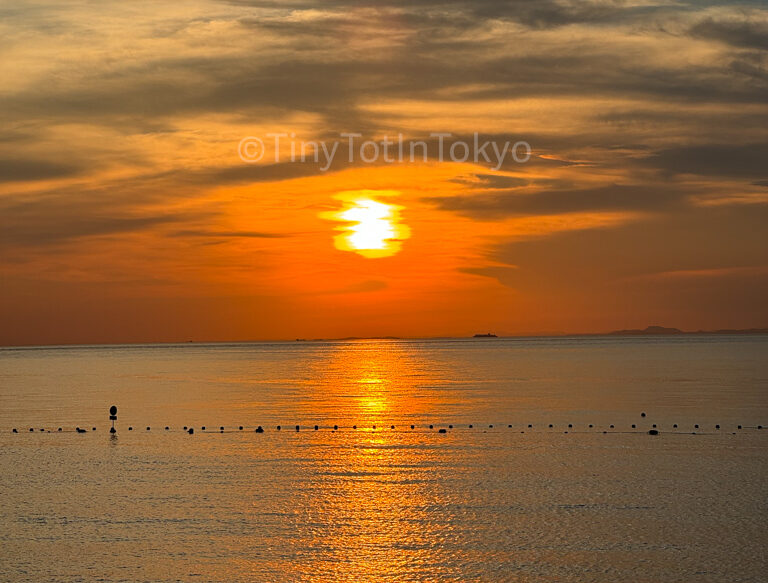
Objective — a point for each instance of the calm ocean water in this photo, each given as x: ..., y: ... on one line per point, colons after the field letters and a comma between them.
x: 483, y: 503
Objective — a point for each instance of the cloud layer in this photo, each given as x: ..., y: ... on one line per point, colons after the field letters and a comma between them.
x: 119, y: 127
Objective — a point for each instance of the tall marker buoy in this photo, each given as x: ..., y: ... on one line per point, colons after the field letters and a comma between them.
x: 113, y: 418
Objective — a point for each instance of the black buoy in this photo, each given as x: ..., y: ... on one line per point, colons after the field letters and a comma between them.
x: 551, y: 426
x: 471, y: 426
x: 634, y: 426
x: 530, y: 426
x: 442, y: 430
x: 92, y: 429
x: 570, y: 425
x: 185, y: 428
x: 354, y: 427
x: 431, y: 427
x: 414, y: 427
x: 14, y: 430
x: 240, y: 427
x: 59, y: 428
x: 316, y: 428
x: 653, y: 432
x: 335, y: 427
x: 490, y: 426
x: 259, y: 429
x: 297, y: 428
x: 696, y: 426
x: 509, y: 426
x: 221, y: 428
x: 130, y: 428
x: 203, y: 428
x: 674, y: 426
x: 167, y: 428
x: 611, y: 426
x: 31, y: 429
x: 451, y: 426
x: 148, y: 428
x: 654, y: 426
x: 279, y: 428
x: 642, y: 414
x: 191, y: 431
x: 391, y: 426
x: 80, y: 430
x: 112, y: 418
x: 717, y: 427
x: 374, y: 427
x: 590, y: 426
x: 759, y: 426
x: 739, y: 427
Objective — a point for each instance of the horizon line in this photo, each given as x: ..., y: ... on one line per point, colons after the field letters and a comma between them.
x: 613, y: 333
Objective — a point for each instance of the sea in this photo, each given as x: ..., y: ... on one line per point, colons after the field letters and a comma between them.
x: 568, y: 459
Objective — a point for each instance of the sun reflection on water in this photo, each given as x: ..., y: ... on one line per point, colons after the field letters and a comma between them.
x: 375, y: 383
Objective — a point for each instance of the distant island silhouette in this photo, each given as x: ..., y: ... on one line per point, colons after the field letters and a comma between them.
x: 663, y: 331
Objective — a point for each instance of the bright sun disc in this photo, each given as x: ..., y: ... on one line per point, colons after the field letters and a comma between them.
x: 373, y: 228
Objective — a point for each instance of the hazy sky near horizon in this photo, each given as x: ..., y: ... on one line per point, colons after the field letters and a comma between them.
x: 127, y: 215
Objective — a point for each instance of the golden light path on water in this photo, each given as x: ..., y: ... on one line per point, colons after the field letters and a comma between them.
x: 376, y: 500
x: 372, y: 228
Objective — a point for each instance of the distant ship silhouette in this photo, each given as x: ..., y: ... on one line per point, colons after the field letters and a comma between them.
x: 488, y: 335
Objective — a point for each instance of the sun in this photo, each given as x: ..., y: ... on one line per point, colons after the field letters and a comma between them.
x: 373, y: 228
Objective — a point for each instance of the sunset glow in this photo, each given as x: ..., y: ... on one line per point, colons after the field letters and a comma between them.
x: 125, y: 184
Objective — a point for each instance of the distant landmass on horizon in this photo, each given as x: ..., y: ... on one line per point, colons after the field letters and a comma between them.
x: 661, y: 330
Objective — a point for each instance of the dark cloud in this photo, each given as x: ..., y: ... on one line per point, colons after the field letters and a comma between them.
x: 226, y: 234
x: 26, y: 225
x: 745, y: 33
x: 694, y: 238
x: 742, y: 160
x: 60, y: 215
x: 20, y: 170
x: 313, y: 70
x: 492, y: 181
x: 497, y: 205
x: 541, y: 14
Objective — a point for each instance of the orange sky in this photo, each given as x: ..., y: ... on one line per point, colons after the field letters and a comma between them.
x: 127, y: 215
